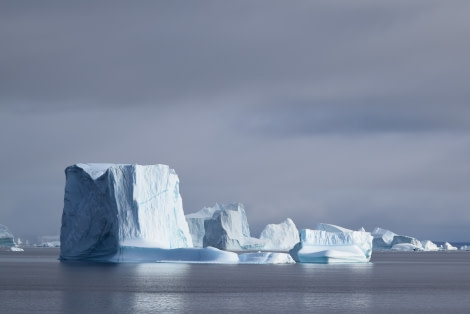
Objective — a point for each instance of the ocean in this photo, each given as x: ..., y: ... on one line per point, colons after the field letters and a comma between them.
x: 34, y: 281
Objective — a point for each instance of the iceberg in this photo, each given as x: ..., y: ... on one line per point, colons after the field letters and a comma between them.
x: 406, y: 247
x: 6, y: 237
x: 399, y: 239
x: 332, y: 244
x: 133, y: 213
x: 449, y: 247
x: 429, y: 246
x: 228, y: 229
x: 7, y: 240
x: 382, y: 239
x: 388, y: 240
x: 265, y: 258
x: 108, y: 206
x: 196, y: 223
x: 280, y: 237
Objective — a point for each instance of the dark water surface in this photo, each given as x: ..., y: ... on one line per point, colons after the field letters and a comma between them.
x: 398, y: 282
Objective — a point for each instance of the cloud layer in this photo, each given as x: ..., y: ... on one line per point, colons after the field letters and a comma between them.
x: 348, y: 113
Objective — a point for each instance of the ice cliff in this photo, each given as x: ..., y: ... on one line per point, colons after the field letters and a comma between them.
x: 107, y: 206
x: 332, y: 244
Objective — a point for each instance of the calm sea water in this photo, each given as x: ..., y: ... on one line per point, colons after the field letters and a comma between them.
x: 417, y: 282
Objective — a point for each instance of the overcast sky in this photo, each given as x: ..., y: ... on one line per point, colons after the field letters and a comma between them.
x: 354, y: 113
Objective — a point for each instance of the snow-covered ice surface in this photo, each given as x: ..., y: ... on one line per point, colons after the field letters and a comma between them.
x: 338, y: 245
x: 106, y: 205
x: 228, y: 229
x: 280, y: 237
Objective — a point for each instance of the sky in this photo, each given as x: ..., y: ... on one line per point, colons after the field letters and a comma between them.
x: 354, y: 113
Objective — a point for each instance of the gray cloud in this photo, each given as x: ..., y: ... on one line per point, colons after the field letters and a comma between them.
x: 353, y: 113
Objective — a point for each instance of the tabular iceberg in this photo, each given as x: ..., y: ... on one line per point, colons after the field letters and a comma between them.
x: 332, y: 244
x: 108, y: 206
x: 280, y: 237
x: 228, y: 229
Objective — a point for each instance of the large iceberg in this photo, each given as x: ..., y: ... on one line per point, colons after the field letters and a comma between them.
x: 332, y: 244
x: 133, y: 213
x: 280, y: 237
x: 6, y: 238
x: 109, y: 206
x: 228, y: 229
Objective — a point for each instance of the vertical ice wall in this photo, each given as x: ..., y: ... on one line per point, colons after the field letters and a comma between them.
x: 107, y: 206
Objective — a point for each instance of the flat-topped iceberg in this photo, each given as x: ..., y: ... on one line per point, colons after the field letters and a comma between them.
x: 280, y: 237
x: 332, y: 244
x: 109, y: 206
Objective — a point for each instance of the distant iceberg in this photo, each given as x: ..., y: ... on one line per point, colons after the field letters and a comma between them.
x: 449, y: 247
x: 7, y: 240
x: 332, y: 244
x: 6, y: 237
x: 388, y: 240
